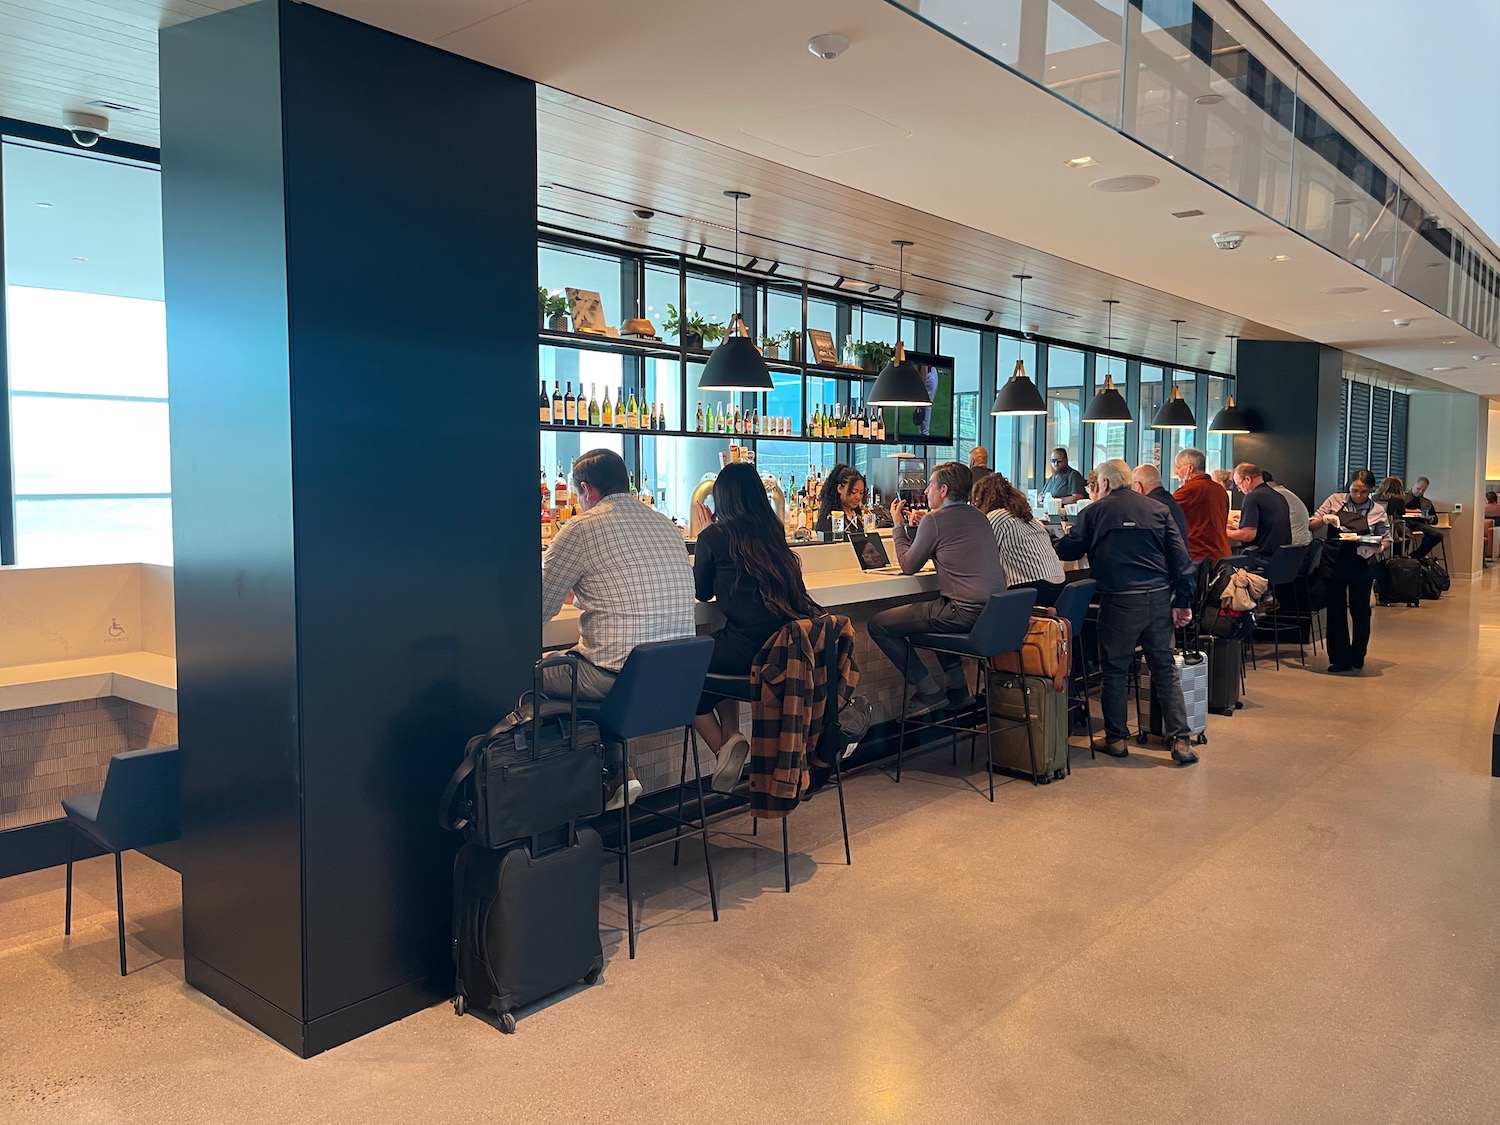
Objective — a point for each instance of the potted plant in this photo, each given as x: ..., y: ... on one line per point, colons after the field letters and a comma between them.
x: 693, y: 329
x: 873, y: 354
x: 554, y: 307
x: 770, y: 346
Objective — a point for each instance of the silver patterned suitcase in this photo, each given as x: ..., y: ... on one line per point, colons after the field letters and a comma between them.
x: 1192, y: 677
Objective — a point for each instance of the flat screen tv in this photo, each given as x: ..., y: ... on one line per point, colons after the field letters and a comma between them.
x: 926, y: 425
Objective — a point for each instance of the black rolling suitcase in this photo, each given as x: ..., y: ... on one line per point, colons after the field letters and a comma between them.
x: 1400, y: 581
x: 525, y: 923
x: 1224, y: 658
x: 1010, y: 749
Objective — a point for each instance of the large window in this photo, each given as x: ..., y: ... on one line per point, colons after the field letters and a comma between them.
x: 1218, y: 449
x: 1015, y: 435
x: 1065, y: 402
x: 87, y: 358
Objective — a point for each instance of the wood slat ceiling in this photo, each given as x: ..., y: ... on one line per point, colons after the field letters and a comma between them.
x: 597, y: 164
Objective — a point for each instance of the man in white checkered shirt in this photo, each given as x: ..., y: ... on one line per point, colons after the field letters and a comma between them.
x: 630, y: 575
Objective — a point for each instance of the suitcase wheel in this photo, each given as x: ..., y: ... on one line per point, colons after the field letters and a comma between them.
x: 1141, y: 738
x: 1201, y: 740
x: 1058, y: 775
x: 1044, y: 779
x: 1239, y: 705
x: 591, y: 977
x: 460, y: 1005
x: 508, y: 1023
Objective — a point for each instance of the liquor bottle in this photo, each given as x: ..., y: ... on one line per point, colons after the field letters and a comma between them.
x: 739, y: 419
x: 545, y: 404
x: 633, y: 492
x: 570, y: 406
x: 699, y: 424
x: 560, y: 490
x: 557, y: 403
x: 864, y: 423
x: 594, y: 415
x: 606, y: 411
x: 546, y: 490
x: 755, y: 422
x: 646, y: 497
x: 620, y: 409
x: 661, y: 415
x: 879, y: 425
x: 632, y: 414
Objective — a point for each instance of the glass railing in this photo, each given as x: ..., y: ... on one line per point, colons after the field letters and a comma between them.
x: 1169, y: 75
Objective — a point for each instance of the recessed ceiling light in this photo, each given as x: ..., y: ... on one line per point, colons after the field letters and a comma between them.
x: 1281, y: 257
x: 1445, y: 369
x: 79, y: 258
x: 1387, y: 310
x: 1450, y: 341
x: 48, y: 206
x: 1344, y: 202
x: 1081, y: 162
x: 1342, y: 289
x: 1208, y: 99
x: 1118, y: 184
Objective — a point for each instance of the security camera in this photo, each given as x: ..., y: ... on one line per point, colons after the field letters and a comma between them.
x: 86, y: 128
x: 828, y: 47
x: 644, y: 213
x: 1402, y: 322
x: 1032, y: 330
x: 1229, y: 239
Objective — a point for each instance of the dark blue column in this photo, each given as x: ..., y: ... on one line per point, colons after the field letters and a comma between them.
x: 1290, y: 392
x: 350, y: 227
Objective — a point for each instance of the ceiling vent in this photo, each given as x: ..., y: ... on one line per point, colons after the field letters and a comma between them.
x: 1193, y: 214
x: 114, y: 107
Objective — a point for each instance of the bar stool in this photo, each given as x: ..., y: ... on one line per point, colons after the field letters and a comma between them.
x: 656, y: 690
x: 1001, y: 628
x: 1072, y: 605
x: 743, y: 689
x: 1303, y: 611
x: 1281, y: 570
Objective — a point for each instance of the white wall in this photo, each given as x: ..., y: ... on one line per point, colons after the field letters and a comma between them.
x: 1430, y: 73
x: 1447, y: 441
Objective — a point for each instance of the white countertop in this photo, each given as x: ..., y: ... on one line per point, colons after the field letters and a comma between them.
x: 143, y: 677
x: 833, y: 576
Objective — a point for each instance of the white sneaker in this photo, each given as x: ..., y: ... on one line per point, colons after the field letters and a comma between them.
x: 732, y: 758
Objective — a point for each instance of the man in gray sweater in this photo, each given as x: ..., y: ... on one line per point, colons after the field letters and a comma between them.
x: 961, y: 544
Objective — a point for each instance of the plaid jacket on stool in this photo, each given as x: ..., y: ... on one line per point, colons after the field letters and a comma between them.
x: 790, y: 678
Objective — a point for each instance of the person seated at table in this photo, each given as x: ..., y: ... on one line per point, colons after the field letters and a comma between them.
x: 1146, y: 479
x: 843, y: 491
x: 1204, y: 504
x: 1422, y: 516
x: 1066, y: 484
x: 1492, y: 506
x: 1265, y: 524
x: 1025, y: 547
x: 742, y: 562
x: 1390, y: 494
x: 1348, y: 570
x: 979, y: 463
x: 1296, y: 510
x: 960, y: 543
x: 626, y: 567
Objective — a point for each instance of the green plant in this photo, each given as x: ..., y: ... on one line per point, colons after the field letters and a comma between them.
x: 873, y: 353
x: 554, y: 303
x: 692, y: 324
x: 781, y: 339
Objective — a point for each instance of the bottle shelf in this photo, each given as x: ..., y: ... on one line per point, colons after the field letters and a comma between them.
x: 587, y: 341
x: 741, y: 439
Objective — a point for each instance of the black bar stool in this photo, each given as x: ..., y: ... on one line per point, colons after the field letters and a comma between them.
x: 657, y: 690
x: 1072, y: 605
x: 1001, y: 628
x: 1281, y: 570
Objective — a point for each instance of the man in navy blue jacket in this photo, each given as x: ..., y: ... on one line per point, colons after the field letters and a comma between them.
x: 1146, y: 580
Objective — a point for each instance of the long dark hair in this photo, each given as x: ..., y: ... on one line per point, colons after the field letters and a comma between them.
x: 758, y: 543
x: 828, y: 498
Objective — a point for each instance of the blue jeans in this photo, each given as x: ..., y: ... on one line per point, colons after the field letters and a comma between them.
x: 1126, y: 620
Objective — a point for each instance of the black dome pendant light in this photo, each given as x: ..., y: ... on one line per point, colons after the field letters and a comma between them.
x: 1109, y: 404
x: 1019, y: 395
x: 736, y: 364
x: 900, y: 384
x: 1175, y: 413
x: 1229, y: 420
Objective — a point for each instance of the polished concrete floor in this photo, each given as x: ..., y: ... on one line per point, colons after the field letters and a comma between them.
x: 1303, y: 928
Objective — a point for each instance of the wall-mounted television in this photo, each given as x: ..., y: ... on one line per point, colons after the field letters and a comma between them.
x: 925, y: 425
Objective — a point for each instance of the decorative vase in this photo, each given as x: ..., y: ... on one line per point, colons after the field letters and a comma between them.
x: 771, y: 351
x: 558, y: 323
x: 694, y: 341
x: 866, y: 363
x: 794, y: 348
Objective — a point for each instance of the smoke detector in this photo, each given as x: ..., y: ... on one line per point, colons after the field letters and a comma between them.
x: 828, y: 47
x: 1229, y: 239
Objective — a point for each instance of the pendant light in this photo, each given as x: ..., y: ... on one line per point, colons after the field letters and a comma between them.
x: 1229, y: 420
x: 1109, y: 404
x: 900, y: 384
x: 1175, y: 413
x: 736, y: 364
x: 1019, y: 395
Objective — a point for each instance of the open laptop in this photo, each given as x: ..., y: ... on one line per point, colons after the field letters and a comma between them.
x: 869, y: 549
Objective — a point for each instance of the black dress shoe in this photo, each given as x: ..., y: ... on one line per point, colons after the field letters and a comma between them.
x: 1114, y: 747
x: 1340, y: 669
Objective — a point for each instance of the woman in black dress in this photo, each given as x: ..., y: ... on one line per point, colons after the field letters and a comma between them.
x: 843, y: 491
x: 743, y: 563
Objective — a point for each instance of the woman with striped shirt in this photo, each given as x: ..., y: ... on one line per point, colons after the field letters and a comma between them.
x: 1025, y: 547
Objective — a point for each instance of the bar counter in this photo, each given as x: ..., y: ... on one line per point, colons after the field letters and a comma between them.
x: 836, y: 582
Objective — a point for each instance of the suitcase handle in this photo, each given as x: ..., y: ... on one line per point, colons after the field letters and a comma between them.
x: 568, y: 660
